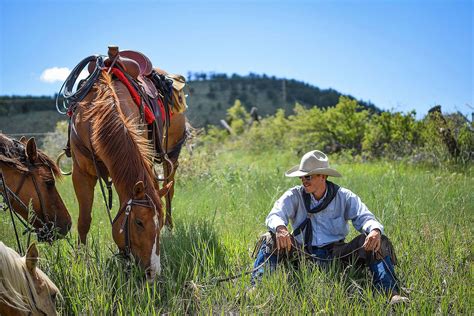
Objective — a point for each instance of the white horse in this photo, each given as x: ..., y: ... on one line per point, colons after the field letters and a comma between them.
x: 24, y: 288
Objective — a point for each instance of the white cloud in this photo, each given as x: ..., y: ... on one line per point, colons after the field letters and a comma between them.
x: 54, y: 74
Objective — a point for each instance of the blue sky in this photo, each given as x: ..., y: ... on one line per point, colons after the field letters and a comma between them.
x: 400, y: 55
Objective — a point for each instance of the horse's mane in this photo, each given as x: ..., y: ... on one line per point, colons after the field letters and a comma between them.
x: 119, y: 137
x: 17, y: 288
x: 12, y: 153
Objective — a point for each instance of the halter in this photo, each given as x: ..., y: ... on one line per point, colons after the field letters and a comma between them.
x: 7, y: 193
x: 125, y: 226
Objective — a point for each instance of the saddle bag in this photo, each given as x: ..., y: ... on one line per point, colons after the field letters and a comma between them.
x: 178, y: 97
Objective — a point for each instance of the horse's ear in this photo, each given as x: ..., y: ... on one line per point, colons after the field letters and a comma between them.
x: 31, y: 258
x: 23, y: 140
x: 139, y: 191
x: 31, y: 151
x: 163, y: 191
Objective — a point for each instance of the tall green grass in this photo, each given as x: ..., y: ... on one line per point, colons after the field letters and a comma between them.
x: 221, y: 201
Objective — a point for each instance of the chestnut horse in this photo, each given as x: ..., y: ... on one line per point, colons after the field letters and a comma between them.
x: 106, y: 140
x: 24, y: 288
x: 30, y: 177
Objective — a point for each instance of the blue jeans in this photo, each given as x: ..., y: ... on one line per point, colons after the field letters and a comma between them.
x: 383, y: 274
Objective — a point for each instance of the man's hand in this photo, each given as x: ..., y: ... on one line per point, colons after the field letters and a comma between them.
x: 283, y: 238
x: 373, y: 241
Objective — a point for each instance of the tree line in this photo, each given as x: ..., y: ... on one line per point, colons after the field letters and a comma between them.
x: 211, y: 94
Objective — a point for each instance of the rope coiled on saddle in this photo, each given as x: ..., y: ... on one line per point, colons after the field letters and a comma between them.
x: 66, y: 92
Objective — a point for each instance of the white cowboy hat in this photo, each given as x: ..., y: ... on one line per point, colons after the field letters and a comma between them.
x: 313, y: 162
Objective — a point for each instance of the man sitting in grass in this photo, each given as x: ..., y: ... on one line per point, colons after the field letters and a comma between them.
x: 319, y: 210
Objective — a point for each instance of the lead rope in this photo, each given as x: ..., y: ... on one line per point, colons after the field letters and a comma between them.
x: 236, y: 276
x: 298, y: 249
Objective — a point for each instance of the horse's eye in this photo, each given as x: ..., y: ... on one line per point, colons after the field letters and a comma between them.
x: 53, y: 297
x: 50, y: 183
x: 139, y: 223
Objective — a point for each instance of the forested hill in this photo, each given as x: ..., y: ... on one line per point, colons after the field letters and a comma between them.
x: 209, y: 96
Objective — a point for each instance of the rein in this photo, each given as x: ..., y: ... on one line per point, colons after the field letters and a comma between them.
x: 5, y: 191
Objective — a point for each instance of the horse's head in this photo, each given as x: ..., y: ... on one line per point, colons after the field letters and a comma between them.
x: 136, y: 229
x: 25, y: 288
x: 36, y: 184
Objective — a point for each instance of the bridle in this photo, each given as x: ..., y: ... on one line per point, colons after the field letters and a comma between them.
x: 44, y: 232
x: 125, y: 226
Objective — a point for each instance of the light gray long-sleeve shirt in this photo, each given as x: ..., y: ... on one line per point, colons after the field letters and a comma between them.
x: 329, y: 225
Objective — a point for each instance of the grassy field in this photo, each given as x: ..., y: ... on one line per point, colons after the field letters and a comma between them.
x: 220, y: 205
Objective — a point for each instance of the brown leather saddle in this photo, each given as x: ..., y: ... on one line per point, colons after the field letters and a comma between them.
x: 137, y: 65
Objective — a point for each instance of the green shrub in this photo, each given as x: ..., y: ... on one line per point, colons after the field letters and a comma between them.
x: 237, y: 117
x: 392, y: 135
x: 333, y: 129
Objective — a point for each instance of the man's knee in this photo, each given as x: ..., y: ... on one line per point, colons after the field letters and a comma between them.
x: 386, y: 249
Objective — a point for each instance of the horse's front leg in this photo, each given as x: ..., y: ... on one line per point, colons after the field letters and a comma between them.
x: 84, y: 187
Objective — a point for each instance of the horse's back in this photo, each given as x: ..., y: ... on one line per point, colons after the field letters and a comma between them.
x: 127, y: 105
